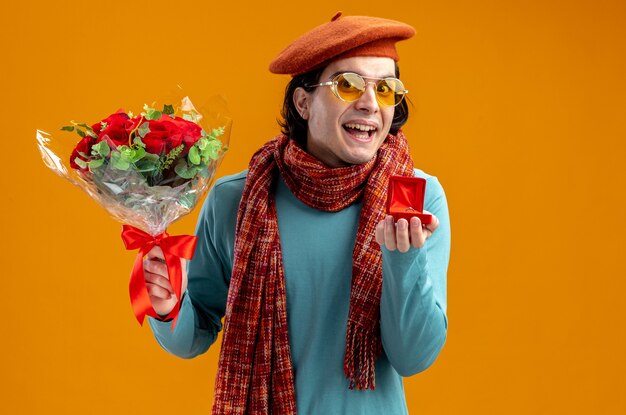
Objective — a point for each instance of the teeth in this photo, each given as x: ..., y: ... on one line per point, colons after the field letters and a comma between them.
x: 361, y: 127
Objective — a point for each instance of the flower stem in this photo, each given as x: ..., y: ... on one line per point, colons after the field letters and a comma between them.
x: 130, y: 135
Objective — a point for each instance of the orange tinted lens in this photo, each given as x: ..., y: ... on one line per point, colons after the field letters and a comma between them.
x: 349, y: 86
x: 389, y: 91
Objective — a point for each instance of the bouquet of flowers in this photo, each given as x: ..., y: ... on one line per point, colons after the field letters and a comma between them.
x: 147, y: 170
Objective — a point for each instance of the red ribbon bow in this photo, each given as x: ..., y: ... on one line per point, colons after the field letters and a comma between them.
x: 174, y: 248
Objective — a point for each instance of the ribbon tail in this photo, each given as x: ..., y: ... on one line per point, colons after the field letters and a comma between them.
x: 175, y: 248
x: 139, y: 299
x: 174, y: 315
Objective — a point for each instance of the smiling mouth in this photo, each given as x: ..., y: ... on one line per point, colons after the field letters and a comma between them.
x: 360, y: 131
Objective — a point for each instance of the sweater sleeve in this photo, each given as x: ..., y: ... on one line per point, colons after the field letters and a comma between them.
x: 413, y: 303
x: 204, y: 302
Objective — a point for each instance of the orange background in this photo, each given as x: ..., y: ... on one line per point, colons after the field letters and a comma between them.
x: 519, y: 109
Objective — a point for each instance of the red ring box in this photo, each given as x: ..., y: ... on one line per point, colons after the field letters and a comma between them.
x: 405, y: 198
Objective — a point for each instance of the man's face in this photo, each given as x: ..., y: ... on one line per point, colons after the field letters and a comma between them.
x: 336, y: 133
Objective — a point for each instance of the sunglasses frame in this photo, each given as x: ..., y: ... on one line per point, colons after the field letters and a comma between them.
x: 335, y: 81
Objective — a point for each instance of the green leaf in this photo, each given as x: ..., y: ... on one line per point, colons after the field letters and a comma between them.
x: 184, y: 171
x: 216, y: 132
x: 144, y: 129
x: 204, y: 171
x: 115, y: 158
x: 145, y: 165
x: 187, y: 200
x: 68, y: 128
x: 87, y: 127
x: 124, y: 151
x: 118, y: 162
x: 194, y: 155
x: 212, y: 150
x: 82, y: 163
x: 151, y: 113
x: 168, y: 109
x: 138, y: 154
x: 103, y: 125
x: 80, y: 132
x: 102, y: 149
x: 202, y: 143
x: 94, y: 164
x: 137, y: 141
x: 151, y: 157
x: 129, y: 154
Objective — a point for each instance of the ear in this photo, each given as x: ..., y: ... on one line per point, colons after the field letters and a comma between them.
x: 301, y: 101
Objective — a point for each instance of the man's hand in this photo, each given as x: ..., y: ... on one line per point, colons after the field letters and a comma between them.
x: 402, y: 235
x: 160, y: 290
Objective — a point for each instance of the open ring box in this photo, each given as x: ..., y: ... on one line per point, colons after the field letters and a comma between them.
x: 405, y: 198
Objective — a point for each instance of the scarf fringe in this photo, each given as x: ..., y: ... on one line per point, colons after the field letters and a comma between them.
x: 362, y: 351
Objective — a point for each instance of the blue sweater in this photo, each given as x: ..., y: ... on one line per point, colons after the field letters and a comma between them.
x: 317, y: 253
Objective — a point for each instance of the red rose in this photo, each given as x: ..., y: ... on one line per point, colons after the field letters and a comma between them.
x: 115, y: 128
x: 133, y: 123
x: 167, y: 133
x: 83, y: 146
x: 156, y: 139
x: 188, y: 131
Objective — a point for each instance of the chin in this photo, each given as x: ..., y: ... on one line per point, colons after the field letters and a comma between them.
x: 359, y: 158
x: 362, y: 154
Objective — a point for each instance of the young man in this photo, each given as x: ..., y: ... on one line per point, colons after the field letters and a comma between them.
x: 327, y: 302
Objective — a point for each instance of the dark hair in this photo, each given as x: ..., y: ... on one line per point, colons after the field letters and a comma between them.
x: 295, y: 127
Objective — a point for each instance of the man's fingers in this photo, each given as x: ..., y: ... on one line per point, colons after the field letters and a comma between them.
x: 390, y: 233
x: 158, y: 291
x: 380, y: 232
x: 155, y: 266
x: 158, y: 280
x: 434, y: 224
x: 402, y: 235
x: 418, y: 235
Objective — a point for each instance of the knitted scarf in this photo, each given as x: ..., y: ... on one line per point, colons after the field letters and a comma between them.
x: 255, y: 374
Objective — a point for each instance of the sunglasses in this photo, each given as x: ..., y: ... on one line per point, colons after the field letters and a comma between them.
x: 349, y: 87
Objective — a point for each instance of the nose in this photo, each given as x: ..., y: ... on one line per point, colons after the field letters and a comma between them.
x: 367, y: 102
